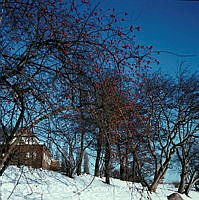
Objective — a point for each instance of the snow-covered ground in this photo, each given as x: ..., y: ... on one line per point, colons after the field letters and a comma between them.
x: 29, y: 184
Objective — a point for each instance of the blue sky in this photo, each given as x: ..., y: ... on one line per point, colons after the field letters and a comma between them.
x: 168, y: 25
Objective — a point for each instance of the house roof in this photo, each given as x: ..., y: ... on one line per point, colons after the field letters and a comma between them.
x: 30, y: 138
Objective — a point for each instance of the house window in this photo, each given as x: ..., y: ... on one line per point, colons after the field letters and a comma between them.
x: 28, y: 155
x: 33, y: 155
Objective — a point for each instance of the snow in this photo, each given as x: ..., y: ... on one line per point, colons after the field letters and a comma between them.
x: 30, y: 140
x: 31, y: 184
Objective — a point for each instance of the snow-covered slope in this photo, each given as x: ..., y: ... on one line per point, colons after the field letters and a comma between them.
x: 29, y: 184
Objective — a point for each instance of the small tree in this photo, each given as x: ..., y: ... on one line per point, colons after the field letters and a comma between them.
x: 168, y: 110
x: 187, y: 132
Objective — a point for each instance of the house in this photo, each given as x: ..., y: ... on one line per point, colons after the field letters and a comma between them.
x: 29, y: 151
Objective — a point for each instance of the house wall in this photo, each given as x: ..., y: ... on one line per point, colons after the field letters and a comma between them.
x: 36, y: 156
x: 30, y: 155
x: 46, y: 159
x: 55, y: 165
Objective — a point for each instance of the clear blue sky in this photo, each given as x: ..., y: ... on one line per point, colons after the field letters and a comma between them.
x: 170, y: 25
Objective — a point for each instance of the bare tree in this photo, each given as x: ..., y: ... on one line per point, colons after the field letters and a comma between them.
x: 168, y: 111
x: 188, y: 97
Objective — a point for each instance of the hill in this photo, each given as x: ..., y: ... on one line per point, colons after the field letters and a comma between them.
x: 32, y: 184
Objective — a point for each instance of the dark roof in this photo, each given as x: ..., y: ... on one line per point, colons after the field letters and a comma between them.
x: 28, y: 135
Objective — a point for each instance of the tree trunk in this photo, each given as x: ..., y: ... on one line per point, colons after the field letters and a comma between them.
x: 79, y: 163
x: 122, y: 169
x: 160, y: 174
x: 138, y: 170
x: 183, y: 175
x: 97, y: 161
x: 191, y: 183
x: 121, y: 158
x: 107, y: 162
x: 184, y: 168
x: 134, y: 172
x: 80, y: 156
x: 126, y: 163
x: 153, y: 187
x: 1, y: 195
